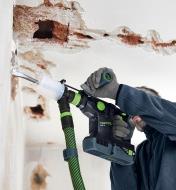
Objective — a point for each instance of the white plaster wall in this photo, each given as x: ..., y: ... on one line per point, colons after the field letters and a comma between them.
x: 11, y: 125
x: 5, y: 56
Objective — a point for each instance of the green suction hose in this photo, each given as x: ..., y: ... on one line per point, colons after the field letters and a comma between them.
x: 73, y: 162
x: 70, y: 153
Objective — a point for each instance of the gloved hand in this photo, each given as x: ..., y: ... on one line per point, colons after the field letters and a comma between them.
x: 93, y: 87
x: 121, y: 129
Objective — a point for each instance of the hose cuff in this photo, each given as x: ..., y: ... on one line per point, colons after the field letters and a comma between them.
x: 69, y: 153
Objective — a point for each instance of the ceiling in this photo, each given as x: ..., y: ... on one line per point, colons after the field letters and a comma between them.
x: 134, y: 66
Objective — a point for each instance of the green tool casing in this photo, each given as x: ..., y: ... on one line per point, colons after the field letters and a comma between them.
x: 101, y: 142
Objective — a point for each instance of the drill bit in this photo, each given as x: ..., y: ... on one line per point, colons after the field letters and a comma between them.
x: 17, y: 73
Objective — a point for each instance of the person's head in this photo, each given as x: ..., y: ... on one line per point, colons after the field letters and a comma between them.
x: 137, y: 121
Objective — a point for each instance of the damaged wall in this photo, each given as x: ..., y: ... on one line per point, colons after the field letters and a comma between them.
x: 49, y: 24
x: 61, y: 24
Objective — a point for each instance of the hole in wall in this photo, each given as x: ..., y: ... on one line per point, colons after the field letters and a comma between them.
x: 106, y: 35
x: 45, y: 29
x: 52, y: 29
x: 38, y: 178
x: 39, y: 111
x: 35, y: 112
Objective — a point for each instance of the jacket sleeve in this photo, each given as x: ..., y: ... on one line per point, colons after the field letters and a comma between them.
x: 158, y: 113
x: 123, y: 177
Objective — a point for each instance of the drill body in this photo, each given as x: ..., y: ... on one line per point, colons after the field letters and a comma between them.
x: 101, y: 141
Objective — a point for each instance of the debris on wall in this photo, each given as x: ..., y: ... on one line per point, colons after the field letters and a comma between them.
x: 38, y: 178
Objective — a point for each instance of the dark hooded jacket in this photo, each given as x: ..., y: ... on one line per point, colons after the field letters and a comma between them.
x: 155, y: 159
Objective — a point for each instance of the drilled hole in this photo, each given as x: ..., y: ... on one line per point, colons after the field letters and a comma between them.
x: 37, y: 110
x: 106, y: 35
x: 52, y: 29
x: 45, y: 29
x: 38, y: 178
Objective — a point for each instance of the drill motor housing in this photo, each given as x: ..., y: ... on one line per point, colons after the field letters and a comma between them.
x: 101, y: 141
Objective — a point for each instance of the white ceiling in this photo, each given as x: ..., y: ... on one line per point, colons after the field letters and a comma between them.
x: 133, y: 66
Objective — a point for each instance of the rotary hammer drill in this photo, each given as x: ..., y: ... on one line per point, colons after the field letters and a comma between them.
x: 101, y: 141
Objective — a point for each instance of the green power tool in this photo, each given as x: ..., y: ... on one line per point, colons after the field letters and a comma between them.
x: 100, y: 141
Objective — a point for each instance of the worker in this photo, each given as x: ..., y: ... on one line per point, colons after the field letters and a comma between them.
x: 155, y: 160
